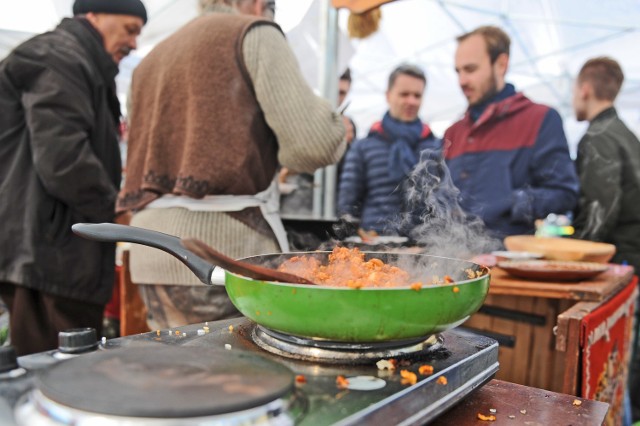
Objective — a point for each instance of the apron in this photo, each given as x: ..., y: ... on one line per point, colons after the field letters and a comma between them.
x: 268, y: 201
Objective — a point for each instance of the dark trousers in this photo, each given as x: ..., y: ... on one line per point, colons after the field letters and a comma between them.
x: 36, y: 318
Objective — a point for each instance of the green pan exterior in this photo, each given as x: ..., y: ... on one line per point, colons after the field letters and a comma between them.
x: 356, y: 315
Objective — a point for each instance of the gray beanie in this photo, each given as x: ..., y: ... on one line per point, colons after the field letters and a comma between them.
x: 117, y: 7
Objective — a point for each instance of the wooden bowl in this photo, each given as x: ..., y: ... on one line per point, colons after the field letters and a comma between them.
x: 556, y: 248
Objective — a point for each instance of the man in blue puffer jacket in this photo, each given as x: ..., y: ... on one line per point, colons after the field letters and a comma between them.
x: 376, y: 167
x: 508, y: 156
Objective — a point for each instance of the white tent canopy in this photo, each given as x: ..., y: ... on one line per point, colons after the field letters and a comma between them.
x: 550, y: 41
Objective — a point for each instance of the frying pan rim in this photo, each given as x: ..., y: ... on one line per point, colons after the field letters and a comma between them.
x: 486, y: 269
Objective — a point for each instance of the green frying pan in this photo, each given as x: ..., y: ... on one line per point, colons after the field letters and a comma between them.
x: 333, y: 313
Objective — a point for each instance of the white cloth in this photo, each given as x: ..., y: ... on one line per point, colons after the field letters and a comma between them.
x: 268, y: 201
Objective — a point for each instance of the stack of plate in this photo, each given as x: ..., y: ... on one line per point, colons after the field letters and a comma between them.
x: 565, y: 259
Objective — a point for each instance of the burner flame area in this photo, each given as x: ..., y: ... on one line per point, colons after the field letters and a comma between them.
x: 325, y: 351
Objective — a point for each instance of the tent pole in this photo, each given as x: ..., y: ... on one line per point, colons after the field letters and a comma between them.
x: 325, y: 185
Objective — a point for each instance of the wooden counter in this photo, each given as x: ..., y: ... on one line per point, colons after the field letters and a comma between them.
x: 522, y: 405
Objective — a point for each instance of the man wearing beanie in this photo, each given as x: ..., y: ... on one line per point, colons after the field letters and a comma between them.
x: 60, y: 164
x: 215, y: 108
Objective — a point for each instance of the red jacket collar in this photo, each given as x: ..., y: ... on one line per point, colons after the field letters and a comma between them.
x: 377, y: 128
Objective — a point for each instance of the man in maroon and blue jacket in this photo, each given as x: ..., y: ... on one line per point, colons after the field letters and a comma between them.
x: 508, y: 156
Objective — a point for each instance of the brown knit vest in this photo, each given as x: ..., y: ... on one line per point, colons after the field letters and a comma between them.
x: 196, y: 126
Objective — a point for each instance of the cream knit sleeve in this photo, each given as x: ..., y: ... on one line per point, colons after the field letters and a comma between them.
x: 310, y: 134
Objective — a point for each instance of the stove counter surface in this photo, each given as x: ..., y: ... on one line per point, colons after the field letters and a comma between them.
x: 464, y: 362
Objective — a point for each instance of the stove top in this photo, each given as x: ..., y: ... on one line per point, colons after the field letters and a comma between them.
x: 216, y: 373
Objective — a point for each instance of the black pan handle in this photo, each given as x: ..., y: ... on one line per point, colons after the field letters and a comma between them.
x: 113, y: 233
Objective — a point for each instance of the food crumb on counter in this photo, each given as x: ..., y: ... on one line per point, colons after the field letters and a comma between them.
x: 455, y: 289
x: 577, y: 402
x: 416, y: 286
x: 301, y: 379
x: 157, y: 332
x: 104, y: 340
x: 442, y: 380
x: 511, y: 416
x: 342, y: 382
x: 386, y: 364
x: 227, y: 346
x: 493, y: 410
x: 489, y: 418
x: 177, y: 332
x: 206, y: 329
x: 201, y: 332
x: 408, y: 378
x: 425, y: 370
x: 230, y: 329
x: 523, y: 411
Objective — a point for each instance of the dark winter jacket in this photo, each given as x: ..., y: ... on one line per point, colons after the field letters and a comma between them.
x: 59, y: 162
x: 512, y: 164
x: 608, y: 164
x: 367, y: 190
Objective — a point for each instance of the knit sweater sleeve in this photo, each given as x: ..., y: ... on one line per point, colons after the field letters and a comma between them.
x: 310, y: 134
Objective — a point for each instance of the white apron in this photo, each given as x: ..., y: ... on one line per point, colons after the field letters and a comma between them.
x: 268, y: 201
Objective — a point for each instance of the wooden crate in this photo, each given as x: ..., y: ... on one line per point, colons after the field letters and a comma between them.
x: 537, y: 325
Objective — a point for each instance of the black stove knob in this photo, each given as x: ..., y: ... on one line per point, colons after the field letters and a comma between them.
x: 77, y: 340
x: 8, y: 359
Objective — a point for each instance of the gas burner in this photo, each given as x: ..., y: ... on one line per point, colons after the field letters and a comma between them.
x: 341, y: 352
x: 144, y: 386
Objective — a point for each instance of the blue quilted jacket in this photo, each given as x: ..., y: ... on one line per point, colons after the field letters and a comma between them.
x: 367, y: 191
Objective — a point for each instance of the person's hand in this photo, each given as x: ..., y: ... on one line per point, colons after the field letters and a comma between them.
x: 283, y: 174
x: 367, y: 236
x: 349, y: 133
x: 123, y: 218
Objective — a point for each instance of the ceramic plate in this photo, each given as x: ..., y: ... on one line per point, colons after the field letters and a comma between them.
x: 553, y: 270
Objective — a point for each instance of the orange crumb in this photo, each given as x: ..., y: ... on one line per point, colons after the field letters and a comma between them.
x: 455, y: 289
x: 416, y: 286
x: 425, y: 370
x: 489, y: 418
x: 448, y: 279
x: 342, y: 382
x: 408, y: 378
x: 442, y: 380
x: 301, y: 379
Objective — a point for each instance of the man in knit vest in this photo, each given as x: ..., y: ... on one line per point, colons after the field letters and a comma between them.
x: 215, y: 108
x: 508, y: 156
x: 376, y: 167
